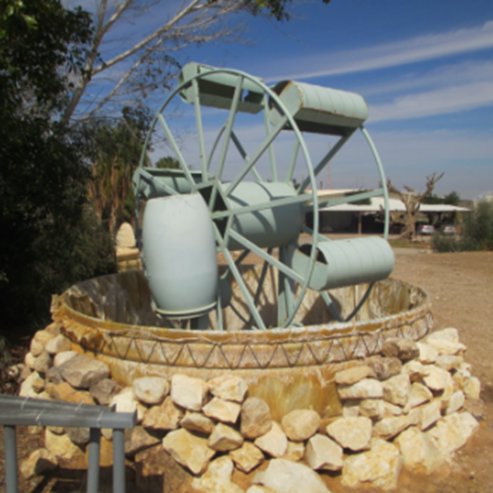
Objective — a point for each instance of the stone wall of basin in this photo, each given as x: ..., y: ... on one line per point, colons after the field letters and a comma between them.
x: 407, y: 405
x: 111, y: 317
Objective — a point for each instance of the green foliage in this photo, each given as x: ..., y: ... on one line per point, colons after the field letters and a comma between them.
x: 477, y: 232
x: 116, y: 146
x: 478, y: 226
x: 48, y: 238
x: 167, y: 162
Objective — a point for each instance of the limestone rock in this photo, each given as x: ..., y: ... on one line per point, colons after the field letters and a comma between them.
x: 165, y: 416
x: 300, y: 424
x: 63, y: 357
x: 430, y: 414
x: 415, y: 370
x: 450, y: 334
x: 390, y: 410
x: 379, y: 467
x: 104, y: 390
x: 224, y: 438
x: 284, y: 476
x: 397, y: 347
x: 367, y: 388
x: 256, y: 419
x: 455, y: 403
x: 197, y: 422
x: 247, y: 457
x: 53, y: 375
x: 32, y: 385
x: 82, y: 371
x: 446, y: 341
x: 61, y: 446
x: 36, y: 347
x: 38, y: 462
x: 42, y: 363
x: 125, y: 402
x: 453, y: 431
x: 221, y: 410
x: 437, y: 379
x: 43, y: 336
x: 372, y: 408
x: 228, y: 387
x: 274, y: 442
x: 419, y: 454
x: 383, y: 368
x: 472, y: 388
x: 449, y: 362
x: 188, y: 450
x: 150, y: 390
x: 256, y: 488
x: 138, y: 439
x: 65, y: 392
x: 188, y: 392
x: 79, y: 436
x: 217, y: 478
x: 419, y: 394
x: 29, y: 360
x: 352, y: 375
x: 350, y: 409
x: 322, y: 453
x: 396, y: 389
x: 388, y: 428
x: 351, y: 433
x: 427, y: 354
x: 295, y: 451
x: 125, y: 237
x: 57, y: 344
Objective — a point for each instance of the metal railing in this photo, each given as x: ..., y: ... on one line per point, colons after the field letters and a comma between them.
x: 25, y: 411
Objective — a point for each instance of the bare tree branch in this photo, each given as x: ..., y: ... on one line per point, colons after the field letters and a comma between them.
x: 412, y: 201
x: 197, y: 21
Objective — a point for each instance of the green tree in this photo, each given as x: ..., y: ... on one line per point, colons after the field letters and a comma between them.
x: 116, y: 150
x: 43, y: 217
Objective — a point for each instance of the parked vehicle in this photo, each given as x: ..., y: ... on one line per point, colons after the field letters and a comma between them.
x: 426, y: 229
x: 449, y: 229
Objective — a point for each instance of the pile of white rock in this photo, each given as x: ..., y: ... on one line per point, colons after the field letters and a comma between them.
x: 411, y: 406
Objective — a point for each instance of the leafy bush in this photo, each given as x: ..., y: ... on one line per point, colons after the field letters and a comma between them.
x: 478, y: 232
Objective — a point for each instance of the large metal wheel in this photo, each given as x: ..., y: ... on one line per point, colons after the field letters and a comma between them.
x: 255, y: 206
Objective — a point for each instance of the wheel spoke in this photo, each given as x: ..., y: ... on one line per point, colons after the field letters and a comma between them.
x: 244, y: 155
x: 305, y: 198
x: 272, y: 155
x: 258, y: 153
x: 323, y: 162
x: 229, y: 126
x: 294, y: 159
x: 267, y: 257
x: 239, y: 280
x: 176, y: 149
x: 200, y: 129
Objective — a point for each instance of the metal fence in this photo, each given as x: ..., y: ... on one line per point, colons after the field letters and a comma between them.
x: 16, y: 411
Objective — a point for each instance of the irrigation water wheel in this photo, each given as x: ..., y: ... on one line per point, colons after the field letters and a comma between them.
x: 235, y: 149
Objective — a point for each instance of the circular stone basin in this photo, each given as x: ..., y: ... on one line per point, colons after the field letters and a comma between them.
x: 112, y: 318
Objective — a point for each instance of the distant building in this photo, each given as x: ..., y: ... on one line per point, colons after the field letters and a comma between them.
x: 367, y: 216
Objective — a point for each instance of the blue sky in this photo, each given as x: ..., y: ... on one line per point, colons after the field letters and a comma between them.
x: 425, y: 67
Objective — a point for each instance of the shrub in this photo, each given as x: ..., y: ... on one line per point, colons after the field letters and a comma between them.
x: 478, y: 232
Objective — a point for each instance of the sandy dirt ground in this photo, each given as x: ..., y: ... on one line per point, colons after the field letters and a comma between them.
x: 460, y: 286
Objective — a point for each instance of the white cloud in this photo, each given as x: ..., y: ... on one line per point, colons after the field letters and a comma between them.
x: 435, y: 102
x: 421, y: 48
x: 443, y: 75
